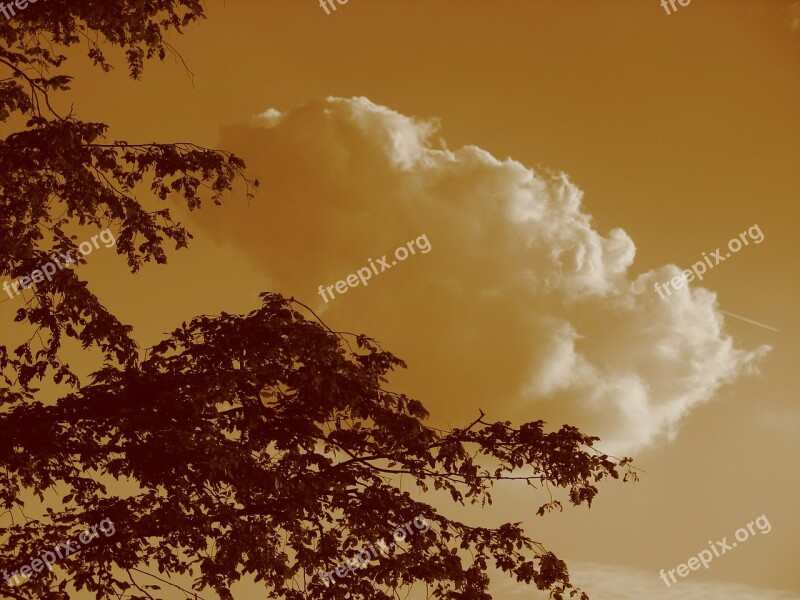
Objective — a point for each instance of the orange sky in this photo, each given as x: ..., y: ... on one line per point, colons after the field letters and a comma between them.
x: 681, y: 131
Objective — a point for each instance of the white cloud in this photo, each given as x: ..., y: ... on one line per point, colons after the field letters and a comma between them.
x: 271, y: 117
x: 611, y: 582
x: 521, y: 304
x: 614, y: 582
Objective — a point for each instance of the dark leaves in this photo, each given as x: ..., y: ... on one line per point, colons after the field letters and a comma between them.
x: 256, y: 445
x: 267, y: 438
x: 58, y: 172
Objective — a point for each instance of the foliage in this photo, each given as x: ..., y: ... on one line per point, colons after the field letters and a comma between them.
x: 258, y: 445
x: 263, y: 444
x: 58, y: 171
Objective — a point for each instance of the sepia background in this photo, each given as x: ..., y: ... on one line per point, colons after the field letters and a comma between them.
x: 560, y: 157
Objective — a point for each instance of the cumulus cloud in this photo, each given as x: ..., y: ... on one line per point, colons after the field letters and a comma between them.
x: 521, y: 307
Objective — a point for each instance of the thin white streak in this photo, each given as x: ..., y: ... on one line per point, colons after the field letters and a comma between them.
x: 749, y: 320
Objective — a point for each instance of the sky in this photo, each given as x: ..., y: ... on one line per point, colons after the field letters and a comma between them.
x: 558, y: 160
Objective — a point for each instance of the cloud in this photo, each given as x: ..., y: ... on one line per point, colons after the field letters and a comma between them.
x: 271, y: 117
x: 794, y: 16
x: 614, y: 582
x: 611, y: 582
x: 520, y: 307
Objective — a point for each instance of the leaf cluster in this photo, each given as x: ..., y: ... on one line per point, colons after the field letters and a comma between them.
x: 256, y: 446
x: 263, y: 445
x: 59, y: 172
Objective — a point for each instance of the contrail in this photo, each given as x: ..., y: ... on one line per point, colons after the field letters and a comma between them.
x: 749, y: 320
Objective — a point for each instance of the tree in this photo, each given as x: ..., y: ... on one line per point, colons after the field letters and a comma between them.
x: 57, y: 170
x: 259, y: 445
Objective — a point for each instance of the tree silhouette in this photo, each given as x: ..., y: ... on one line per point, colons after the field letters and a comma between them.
x: 259, y: 446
